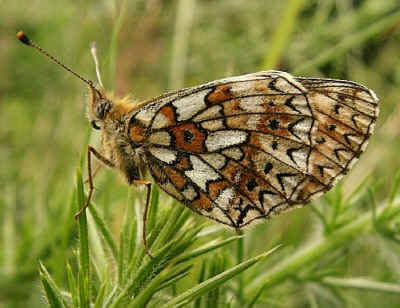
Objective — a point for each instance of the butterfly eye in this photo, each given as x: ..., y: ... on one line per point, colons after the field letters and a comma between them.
x: 102, y: 108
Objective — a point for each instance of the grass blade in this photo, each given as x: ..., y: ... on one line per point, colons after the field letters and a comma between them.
x: 282, y: 34
x: 184, y: 19
x: 84, y: 262
x: 53, y: 294
x: 361, y: 283
x: 104, y: 231
x: 214, y: 282
x: 72, y: 286
x: 206, y: 248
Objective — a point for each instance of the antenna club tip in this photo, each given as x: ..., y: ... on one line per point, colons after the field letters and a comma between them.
x: 23, y: 38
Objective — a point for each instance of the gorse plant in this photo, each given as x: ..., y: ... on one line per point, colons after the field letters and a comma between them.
x: 131, y: 278
x: 106, y: 274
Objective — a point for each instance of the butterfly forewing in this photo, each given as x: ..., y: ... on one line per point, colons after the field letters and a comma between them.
x: 247, y: 147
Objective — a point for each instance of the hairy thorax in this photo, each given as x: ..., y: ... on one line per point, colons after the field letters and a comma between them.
x: 117, y: 147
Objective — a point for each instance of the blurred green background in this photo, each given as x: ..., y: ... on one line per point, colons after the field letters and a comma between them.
x: 161, y: 45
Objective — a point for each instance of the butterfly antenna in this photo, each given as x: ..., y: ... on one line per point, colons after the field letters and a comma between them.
x: 27, y: 41
x: 93, y: 51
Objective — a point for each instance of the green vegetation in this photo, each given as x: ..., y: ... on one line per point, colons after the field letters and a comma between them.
x: 341, y: 251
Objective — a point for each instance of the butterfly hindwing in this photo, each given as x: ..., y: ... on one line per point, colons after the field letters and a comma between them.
x: 247, y: 147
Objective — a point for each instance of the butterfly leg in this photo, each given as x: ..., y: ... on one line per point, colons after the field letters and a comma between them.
x: 96, y: 170
x: 148, y: 186
x: 92, y: 150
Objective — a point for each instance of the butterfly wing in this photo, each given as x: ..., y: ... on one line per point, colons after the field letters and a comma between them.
x: 247, y: 147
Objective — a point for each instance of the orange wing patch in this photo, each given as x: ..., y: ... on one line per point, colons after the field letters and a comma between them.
x: 137, y: 133
x: 216, y: 188
x: 176, y: 177
x: 165, y: 117
x: 169, y: 113
x: 203, y: 202
x: 220, y: 94
x: 183, y: 163
x: 189, y: 138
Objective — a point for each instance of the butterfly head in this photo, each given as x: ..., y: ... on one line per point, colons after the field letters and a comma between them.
x: 99, y: 107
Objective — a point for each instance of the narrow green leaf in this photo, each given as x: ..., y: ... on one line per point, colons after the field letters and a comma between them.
x: 158, y: 229
x: 174, y: 278
x: 239, y: 259
x: 131, y: 226
x: 127, y: 242
x: 84, y: 261
x: 114, y: 43
x: 212, y: 231
x: 153, y: 209
x: 69, y: 227
x: 282, y: 34
x: 155, y: 284
x: 202, y: 276
x: 145, y: 274
x: 206, y: 248
x: 82, y: 289
x: 357, y: 192
x: 186, y: 214
x: 121, y: 257
x: 256, y: 297
x: 217, y: 266
x: 361, y: 283
x: 214, y: 282
x: 186, y: 9
x: 166, y: 254
x: 110, y: 297
x: 170, y: 226
x: 53, y: 294
x: 51, y: 297
x: 155, y: 231
x: 100, y: 223
x: 185, y: 240
x: 72, y: 286
x: 101, y: 295
x: 138, y: 255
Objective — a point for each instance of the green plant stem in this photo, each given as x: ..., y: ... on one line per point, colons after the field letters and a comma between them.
x: 363, y: 284
x: 183, y: 22
x: 84, y: 242
x: 239, y: 256
x: 114, y: 42
x: 282, y: 34
x: 292, y: 265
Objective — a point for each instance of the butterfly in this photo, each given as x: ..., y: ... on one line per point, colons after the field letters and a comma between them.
x: 243, y: 148
x: 240, y: 148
